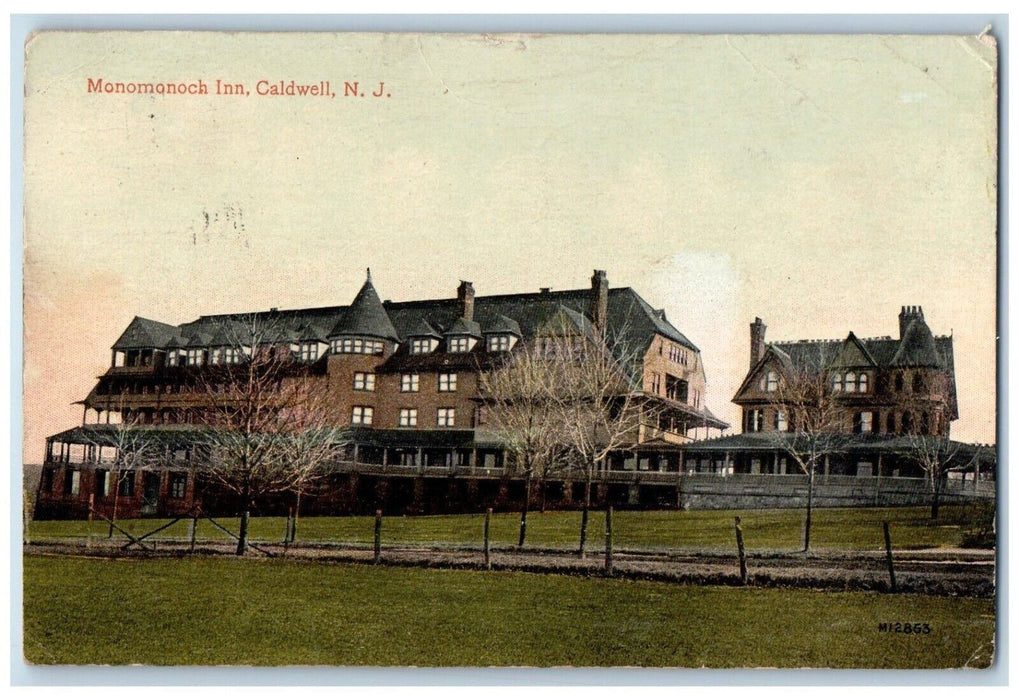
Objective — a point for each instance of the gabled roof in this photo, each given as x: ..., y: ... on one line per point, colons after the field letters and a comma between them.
x: 366, y: 316
x: 462, y: 326
x: 421, y: 328
x: 503, y: 324
x: 145, y: 333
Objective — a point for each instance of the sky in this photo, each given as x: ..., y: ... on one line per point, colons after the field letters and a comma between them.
x: 818, y: 182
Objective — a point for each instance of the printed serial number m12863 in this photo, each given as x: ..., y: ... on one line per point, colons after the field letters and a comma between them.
x: 905, y: 627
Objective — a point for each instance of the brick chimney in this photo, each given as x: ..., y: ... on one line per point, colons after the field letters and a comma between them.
x: 757, y: 329
x: 599, y: 299
x: 465, y: 300
x: 906, y: 316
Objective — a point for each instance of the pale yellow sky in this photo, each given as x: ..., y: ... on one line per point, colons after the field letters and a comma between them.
x: 817, y: 182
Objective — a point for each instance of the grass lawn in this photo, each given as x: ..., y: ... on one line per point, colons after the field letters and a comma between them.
x: 833, y: 528
x: 207, y: 611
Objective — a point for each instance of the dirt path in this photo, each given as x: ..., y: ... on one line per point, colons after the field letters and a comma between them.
x: 932, y: 572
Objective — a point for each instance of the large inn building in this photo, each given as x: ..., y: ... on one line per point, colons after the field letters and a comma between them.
x: 404, y: 375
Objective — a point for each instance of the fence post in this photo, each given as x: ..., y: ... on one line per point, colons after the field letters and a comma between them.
x: 91, y: 505
x: 888, y: 553
x: 286, y: 531
x: 26, y: 516
x: 608, y: 540
x: 488, y: 551
x: 743, y: 576
x: 378, y: 537
x: 192, y: 535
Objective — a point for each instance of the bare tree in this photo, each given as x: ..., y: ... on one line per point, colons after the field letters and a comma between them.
x: 523, y: 403
x: 815, y: 420
x: 133, y: 450
x: 601, y: 408
x: 271, y: 423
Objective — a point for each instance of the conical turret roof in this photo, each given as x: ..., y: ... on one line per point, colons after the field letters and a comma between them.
x: 917, y: 347
x: 366, y: 315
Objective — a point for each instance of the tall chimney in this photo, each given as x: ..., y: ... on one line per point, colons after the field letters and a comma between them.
x: 465, y: 300
x: 906, y: 315
x: 599, y: 299
x: 757, y: 329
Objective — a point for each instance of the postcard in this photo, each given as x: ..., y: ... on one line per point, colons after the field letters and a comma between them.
x: 475, y: 350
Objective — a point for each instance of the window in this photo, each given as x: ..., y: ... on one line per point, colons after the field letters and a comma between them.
x: 409, y: 382
x: 422, y: 346
x: 102, y: 485
x: 446, y: 417
x: 126, y: 484
x: 178, y: 485
x: 47, y: 480
x: 900, y: 382
x: 781, y: 421
x: 656, y: 383
x: 364, y: 381
x: 171, y: 358
x: 408, y: 417
x: 500, y: 343
x: 863, y: 383
x: 769, y: 381
x: 309, y: 352
x: 232, y: 356
x: 755, y: 421
x: 195, y: 357
x: 357, y: 346
x: 850, y: 382
x: 361, y: 415
x: 836, y: 383
x: 864, y: 422
x: 460, y: 343
x: 72, y: 478
x: 447, y: 382
x: 890, y: 423
x: 918, y: 383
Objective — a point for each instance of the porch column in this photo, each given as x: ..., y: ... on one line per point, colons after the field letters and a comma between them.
x: 826, y: 465
x: 355, y: 453
x: 385, y: 456
x: 421, y: 457
x: 474, y: 457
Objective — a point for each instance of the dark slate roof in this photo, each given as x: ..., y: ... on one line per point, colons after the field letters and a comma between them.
x: 917, y: 347
x: 630, y: 319
x: 503, y: 324
x: 421, y: 328
x: 145, y: 333
x: 931, y: 351
x: 366, y: 316
x: 462, y: 326
x: 849, y: 443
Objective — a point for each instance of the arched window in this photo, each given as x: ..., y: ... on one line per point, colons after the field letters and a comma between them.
x: 918, y: 383
x: 925, y: 424
x: 850, y: 382
x: 900, y: 382
x: 890, y: 423
x: 864, y: 383
x: 771, y: 381
x: 836, y: 383
x: 907, y: 422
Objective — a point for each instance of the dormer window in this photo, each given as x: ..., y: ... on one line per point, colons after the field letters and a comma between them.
x: 461, y: 343
x: 422, y: 346
x: 500, y: 343
x: 309, y: 352
x: 195, y: 357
